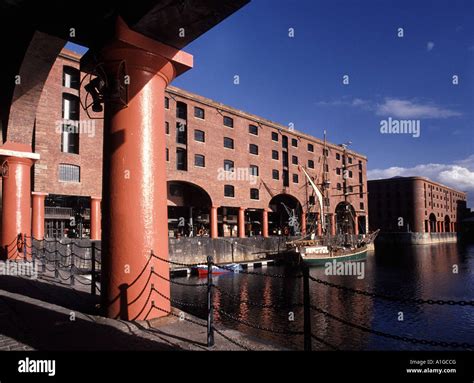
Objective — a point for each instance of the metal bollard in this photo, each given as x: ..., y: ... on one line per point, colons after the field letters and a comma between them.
x: 306, y: 309
x: 210, y: 306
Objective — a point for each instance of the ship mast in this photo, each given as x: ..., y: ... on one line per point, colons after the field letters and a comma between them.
x: 325, y: 188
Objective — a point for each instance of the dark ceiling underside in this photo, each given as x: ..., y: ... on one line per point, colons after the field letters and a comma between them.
x: 94, y: 20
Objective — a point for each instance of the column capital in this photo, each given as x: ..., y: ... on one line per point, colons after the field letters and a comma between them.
x: 96, y: 198
x: 39, y: 194
x: 13, y: 151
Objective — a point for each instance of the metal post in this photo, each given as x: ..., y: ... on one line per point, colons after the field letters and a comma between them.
x: 43, y: 264
x: 307, y: 308
x: 93, y: 287
x: 24, y: 248
x: 56, y: 260
x: 210, y: 308
x: 72, y: 281
x: 33, y: 257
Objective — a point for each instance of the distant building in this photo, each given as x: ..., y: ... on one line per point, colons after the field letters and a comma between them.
x: 416, y: 204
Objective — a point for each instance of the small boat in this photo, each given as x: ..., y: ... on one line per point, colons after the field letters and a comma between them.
x: 202, y: 270
x: 323, y: 248
x: 320, y: 255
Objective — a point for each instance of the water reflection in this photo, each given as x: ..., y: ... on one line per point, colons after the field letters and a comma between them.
x: 415, y: 272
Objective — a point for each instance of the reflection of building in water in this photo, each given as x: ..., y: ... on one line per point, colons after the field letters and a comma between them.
x: 353, y: 308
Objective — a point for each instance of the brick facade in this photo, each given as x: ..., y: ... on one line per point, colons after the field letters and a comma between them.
x: 417, y: 201
x: 89, y: 159
x: 215, y: 153
x: 48, y: 139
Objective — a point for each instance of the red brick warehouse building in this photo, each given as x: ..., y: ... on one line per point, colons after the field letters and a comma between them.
x: 230, y: 173
x: 424, y: 206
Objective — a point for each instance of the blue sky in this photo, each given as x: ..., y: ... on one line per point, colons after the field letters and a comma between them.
x: 300, y: 79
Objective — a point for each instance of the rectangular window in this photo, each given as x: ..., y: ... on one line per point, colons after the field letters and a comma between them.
x: 275, y: 155
x: 350, y: 160
x: 70, y: 107
x: 326, y: 152
x: 338, y: 156
x: 228, y: 143
x: 254, y: 170
x: 253, y: 130
x: 228, y: 165
x: 339, y: 186
x: 295, y: 178
x: 199, y: 113
x: 338, y: 171
x: 310, y: 148
x: 294, y: 160
x: 199, y: 160
x: 181, y: 159
x: 71, y: 77
x: 284, y: 142
x: 275, y: 174
x: 229, y: 122
x: 285, y: 159
x: 311, y: 164
x: 181, y: 110
x: 254, y: 194
x: 294, y: 142
x: 181, y: 136
x: 167, y: 127
x: 275, y: 136
x: 69, y: 173
x: 167, y: 155
x: 286, y: 178
x: 199, y: 136
x: 362, y: 206
x: 229, y: 191
x: 70, y: 139
x: 253, y: 149
x: 167, y: 103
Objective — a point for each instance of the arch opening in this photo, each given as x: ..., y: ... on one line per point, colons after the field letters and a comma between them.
x: 188, y: 210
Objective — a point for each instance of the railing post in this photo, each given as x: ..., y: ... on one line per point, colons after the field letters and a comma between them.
x: 25, y: 256
x: 43, y: 264
x: 306, y: 308
x: 93, y: 287
x: 56, y: 260
x: 33, y: 257
x: 72, y: 280
x: 210, y: 307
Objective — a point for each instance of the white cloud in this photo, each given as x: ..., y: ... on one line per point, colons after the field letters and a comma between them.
x: 459, y: 175
x: 429, y: 46
x: 394, y: 107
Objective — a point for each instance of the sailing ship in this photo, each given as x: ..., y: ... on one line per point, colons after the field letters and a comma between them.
x: 318, y: 247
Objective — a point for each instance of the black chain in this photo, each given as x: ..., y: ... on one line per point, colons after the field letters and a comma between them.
x: 320, y: 340
x: 280, y: 276
x: 393, y: 298
x: 250, y: 303
x: 179, y: 283
x: 395, y: 337
x: 258, y: 327
x: 178, y: 263
x: 180, y: 317
x: 176, y: 301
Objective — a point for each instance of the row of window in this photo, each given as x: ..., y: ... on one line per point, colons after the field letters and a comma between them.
x: 253, y: 129
x: 229, y: 191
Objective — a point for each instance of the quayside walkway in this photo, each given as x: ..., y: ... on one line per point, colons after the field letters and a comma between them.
x: 43, y: 314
